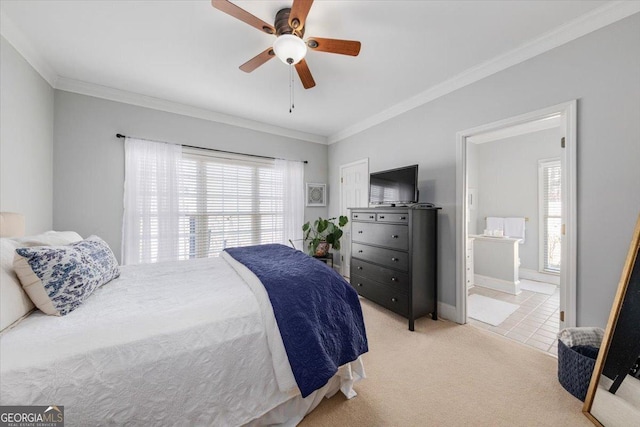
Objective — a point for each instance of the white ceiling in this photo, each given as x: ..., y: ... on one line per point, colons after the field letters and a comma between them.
x: 189, y: 53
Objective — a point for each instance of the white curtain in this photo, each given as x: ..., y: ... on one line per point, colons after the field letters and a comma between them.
x: 150, y: 228
x: 293, y: 183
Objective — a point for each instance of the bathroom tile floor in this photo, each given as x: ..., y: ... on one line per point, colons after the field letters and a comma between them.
x: 534, y: 323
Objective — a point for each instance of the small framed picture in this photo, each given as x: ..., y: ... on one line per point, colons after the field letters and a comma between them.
x: 316, y: 194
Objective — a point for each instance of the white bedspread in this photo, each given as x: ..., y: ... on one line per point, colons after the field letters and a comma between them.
x: 179, y: 343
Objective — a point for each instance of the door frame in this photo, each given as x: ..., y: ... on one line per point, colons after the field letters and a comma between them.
x: 568, y: 271
x: 342, y: 208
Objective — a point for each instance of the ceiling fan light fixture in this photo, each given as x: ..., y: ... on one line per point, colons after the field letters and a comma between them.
x: 290, y: 49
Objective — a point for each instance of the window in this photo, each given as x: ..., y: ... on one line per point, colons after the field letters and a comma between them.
x: 550, y: 207
x: 183, y: 203
x: 227, y: 201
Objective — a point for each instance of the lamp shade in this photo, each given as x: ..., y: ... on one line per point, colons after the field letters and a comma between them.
x: 289, y: 48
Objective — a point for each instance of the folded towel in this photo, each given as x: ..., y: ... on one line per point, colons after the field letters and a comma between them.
x: 495, y: 223
x: 514, y: 227
x: 584, y: 335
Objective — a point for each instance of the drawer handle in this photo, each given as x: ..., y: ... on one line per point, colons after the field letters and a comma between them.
x: 359, y: 231
x: 359, y: 268
x: 381, y: 216
x: 394, y: 259
x: 394, y: 299
x: 355, y: 216
x: 360, y: 284
x: 371, y: 216
x: 393, y: 279
x: 359, y: 251
x: 403, y: 217
x: 394, y: 236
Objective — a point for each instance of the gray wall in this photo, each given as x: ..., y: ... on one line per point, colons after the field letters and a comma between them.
x: 602, y: 71
x: 26, y: 141
x: 507, y: 183
x: 89, y: 159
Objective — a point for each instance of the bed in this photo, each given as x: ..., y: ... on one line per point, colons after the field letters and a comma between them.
x: 183, y: 343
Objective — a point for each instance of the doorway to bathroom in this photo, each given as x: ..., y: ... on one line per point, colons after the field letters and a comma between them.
x: 517, y: 226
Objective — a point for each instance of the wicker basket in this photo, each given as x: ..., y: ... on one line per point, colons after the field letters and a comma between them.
x: 574, y: 370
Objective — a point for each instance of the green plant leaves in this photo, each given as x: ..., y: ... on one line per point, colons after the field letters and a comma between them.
x: 324, y: 230
x: 322, y: 225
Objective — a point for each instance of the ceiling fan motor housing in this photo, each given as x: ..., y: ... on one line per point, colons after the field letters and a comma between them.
x: 282, y: 26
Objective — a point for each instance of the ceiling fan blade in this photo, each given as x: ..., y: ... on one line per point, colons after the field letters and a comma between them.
x: 257, y: 60
x: 305, y: 75
x: 343, y: 47
x: 241, y: 14
x: 298, y: 14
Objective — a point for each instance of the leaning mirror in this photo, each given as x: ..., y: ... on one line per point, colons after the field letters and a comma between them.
x: 613, y: 398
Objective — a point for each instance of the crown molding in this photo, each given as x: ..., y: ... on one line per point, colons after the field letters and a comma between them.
x: 585, y: 24
x: 111, y: 94
x: 16, y: 38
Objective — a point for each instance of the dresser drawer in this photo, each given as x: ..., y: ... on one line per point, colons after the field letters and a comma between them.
x: 393, y: 217
x: 363, y: 216
x: 394, y: 236
x: 387, y: 297
x: 387, y: 257
x: 391, y: 278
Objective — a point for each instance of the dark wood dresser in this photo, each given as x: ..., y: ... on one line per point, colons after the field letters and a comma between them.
x: 394, y: 259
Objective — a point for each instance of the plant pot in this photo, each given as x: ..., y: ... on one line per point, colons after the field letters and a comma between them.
x: 322, y: 249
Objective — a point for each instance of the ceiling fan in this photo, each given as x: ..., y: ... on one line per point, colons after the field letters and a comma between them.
x: 289, y: 46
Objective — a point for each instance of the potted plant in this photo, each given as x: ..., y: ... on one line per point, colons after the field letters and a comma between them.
x: 324, y: 234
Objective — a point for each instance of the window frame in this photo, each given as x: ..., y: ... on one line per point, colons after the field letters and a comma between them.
x: 544, y: 164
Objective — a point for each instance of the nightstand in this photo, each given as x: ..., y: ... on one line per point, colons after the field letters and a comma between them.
x: 328, y: 257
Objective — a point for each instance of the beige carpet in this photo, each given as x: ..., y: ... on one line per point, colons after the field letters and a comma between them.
x: 445, y: 374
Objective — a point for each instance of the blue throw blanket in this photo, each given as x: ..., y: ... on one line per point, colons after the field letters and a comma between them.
x: 318, y: 312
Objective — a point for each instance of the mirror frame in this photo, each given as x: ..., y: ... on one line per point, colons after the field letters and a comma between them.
x: 611, y: 324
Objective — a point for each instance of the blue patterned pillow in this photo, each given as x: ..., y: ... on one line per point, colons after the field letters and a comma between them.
x: 60, y: 278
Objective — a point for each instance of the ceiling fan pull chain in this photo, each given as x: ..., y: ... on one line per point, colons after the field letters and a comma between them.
x: 290, y: 103
x: 291, y: 106
x: 293, y: 93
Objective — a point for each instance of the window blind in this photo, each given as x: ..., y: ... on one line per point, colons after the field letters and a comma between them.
x: 551, y: 215
x: 227, y: 201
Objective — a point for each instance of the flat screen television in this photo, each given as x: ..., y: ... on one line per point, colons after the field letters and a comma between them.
x: 394, y: 187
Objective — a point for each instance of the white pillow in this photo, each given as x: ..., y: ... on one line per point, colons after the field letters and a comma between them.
x: 50, y: 238
x: 14, y: 302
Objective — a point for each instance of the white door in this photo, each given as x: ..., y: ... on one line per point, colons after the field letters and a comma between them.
x: 354, y: 193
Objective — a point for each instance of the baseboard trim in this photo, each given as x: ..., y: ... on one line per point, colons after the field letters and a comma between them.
x: 526, y: 273
x: 512, y: 288
x: 447, y: 312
